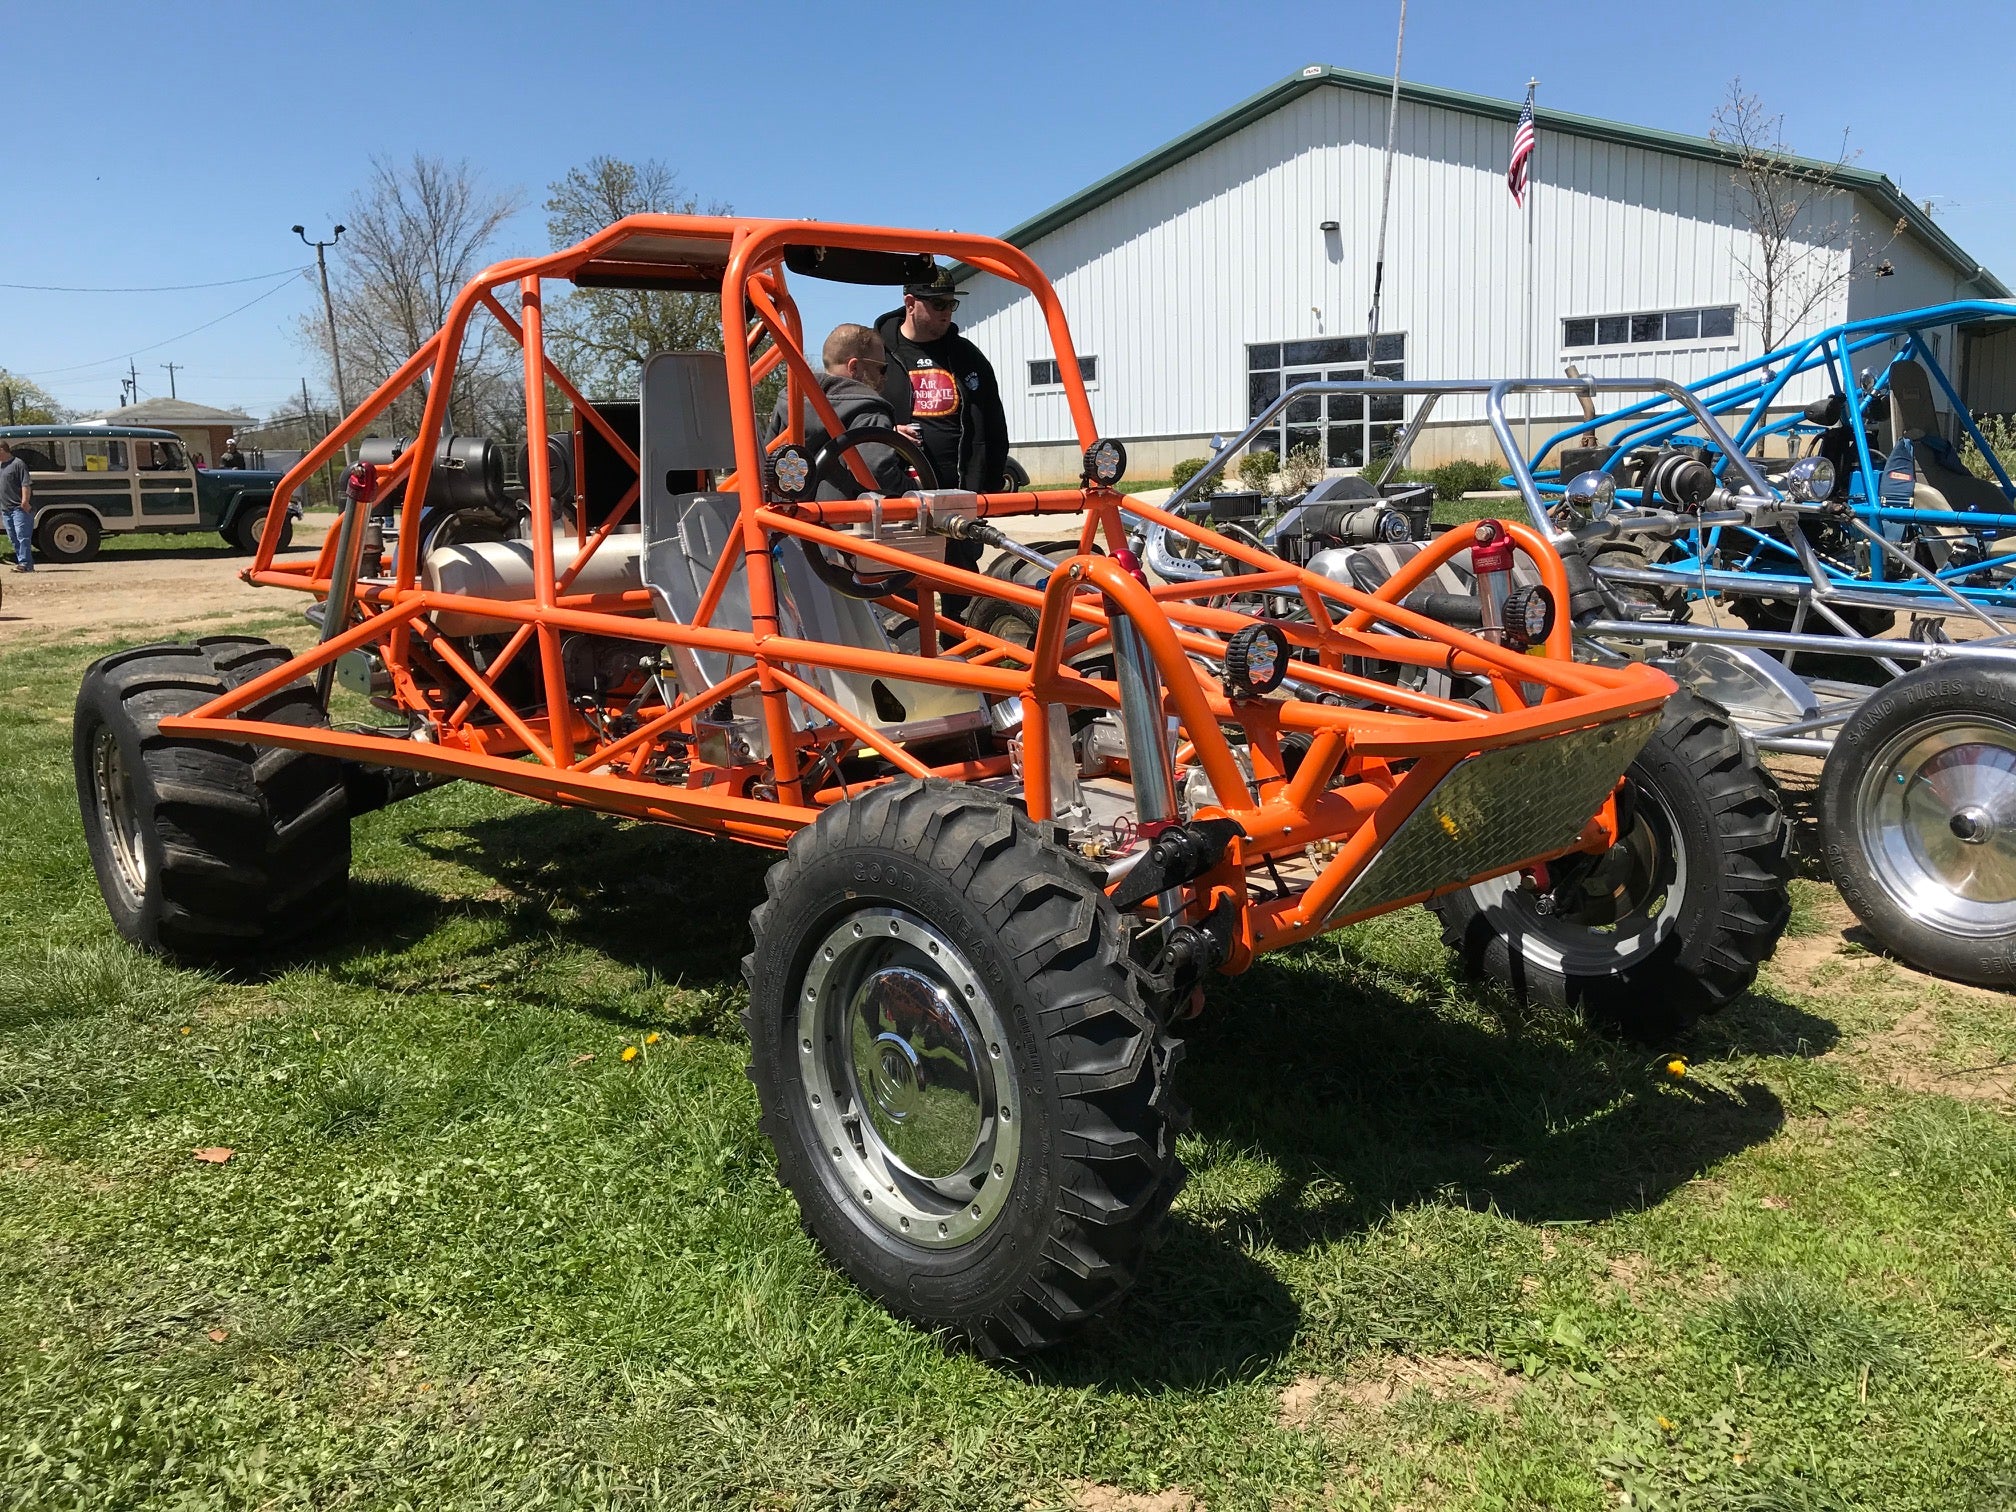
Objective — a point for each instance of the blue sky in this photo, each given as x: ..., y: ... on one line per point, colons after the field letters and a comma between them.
x: 176, y: 145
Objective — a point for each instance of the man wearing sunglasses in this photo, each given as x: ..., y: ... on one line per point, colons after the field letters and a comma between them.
x: 944, y: 385
x: 855, y: 368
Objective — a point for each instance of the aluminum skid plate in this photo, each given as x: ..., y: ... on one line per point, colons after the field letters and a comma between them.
x: 1497, y: 809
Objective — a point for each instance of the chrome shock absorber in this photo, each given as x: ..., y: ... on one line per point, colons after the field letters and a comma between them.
x: 1150, y: 755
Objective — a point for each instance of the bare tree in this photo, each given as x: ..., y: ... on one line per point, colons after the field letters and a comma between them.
x: 602, y: 336
x: 417, y: 233
x: 1802, y: 219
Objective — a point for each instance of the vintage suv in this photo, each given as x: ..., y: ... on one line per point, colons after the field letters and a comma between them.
x: 90, y: 479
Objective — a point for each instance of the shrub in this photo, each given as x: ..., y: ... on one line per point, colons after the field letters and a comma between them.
x: 1452, y: 480
x: 1257, y: 469
x: 2000, y: 433
x: 1188, y: 468
x: 1303, y: 470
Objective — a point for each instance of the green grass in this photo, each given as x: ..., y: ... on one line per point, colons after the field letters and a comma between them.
x: 206, y: 542
x: 1462, y: 511
x: 464, y: 1255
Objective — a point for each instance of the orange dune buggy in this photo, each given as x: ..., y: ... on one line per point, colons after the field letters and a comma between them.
x: 1005, y: 870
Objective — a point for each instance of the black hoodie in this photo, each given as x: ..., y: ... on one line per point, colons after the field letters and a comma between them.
x: 948, y: 388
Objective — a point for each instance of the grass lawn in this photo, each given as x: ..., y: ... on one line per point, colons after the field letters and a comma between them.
x: 1433, y: 1253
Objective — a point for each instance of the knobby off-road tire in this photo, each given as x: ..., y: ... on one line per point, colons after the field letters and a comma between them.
x: 211, y: 852
x: 1918, y: 815
x: 967, y: 1094
x: 1776, y: 615
x: 1673, y: 922
x: 1016, y: 623
x: 1666, y: 599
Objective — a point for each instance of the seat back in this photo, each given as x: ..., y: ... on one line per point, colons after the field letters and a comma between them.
x: 684, y: 422
x: 1913, y: 417
x: 1912, y: 413
x: 684, y: 426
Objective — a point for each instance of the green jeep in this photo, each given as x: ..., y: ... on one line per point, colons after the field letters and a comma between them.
x: 90, y: 479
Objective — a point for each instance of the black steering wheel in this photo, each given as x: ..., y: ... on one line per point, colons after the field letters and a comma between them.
x: 826, y: 468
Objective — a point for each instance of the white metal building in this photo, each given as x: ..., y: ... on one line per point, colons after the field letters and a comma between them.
x: 1239, y: 257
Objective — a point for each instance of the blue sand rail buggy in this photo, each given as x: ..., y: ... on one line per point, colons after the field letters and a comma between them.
x: 1910, y: 527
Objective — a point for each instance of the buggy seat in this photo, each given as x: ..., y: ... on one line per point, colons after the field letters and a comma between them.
x: 685, y: 427
x: 1913, y: 418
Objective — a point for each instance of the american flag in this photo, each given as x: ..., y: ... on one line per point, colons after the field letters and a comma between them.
x: 1522, y: 152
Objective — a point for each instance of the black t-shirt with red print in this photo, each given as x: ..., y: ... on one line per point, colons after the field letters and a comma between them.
x: 947, y: 387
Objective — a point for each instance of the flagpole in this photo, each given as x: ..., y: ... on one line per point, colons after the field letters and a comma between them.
x: 1385, y: 196
x: 1532, y: 356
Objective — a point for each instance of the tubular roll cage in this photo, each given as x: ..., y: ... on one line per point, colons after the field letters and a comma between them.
x: 1750, y: 389
x: 1366, y: 769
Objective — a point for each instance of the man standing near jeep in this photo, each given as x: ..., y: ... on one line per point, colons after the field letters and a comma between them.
x: 17, y: 506
x: 945, y: 385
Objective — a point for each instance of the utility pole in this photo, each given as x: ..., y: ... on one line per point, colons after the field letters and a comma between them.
x: 171, y: 366
x: 329, y: 315
x: 308, y: 433
x: 8, y: 390
x: 132, y: 383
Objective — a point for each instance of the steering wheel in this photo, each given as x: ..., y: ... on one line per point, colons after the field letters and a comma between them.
x: 826, y: 468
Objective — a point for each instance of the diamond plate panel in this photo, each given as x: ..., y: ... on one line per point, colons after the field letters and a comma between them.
x: 1498, y: 808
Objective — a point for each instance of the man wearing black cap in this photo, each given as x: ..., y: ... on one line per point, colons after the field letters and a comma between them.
x: 945, y: 385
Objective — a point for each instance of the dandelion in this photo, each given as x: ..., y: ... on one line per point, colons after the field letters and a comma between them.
x: 651, y: 1038
x: 1676, y: 1067
x: 629, y: 1052
x: 185, y: 1028
x: 1666, y: 1423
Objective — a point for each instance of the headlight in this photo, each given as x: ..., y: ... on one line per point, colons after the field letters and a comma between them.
x: 1810, y: 480
x: 1529, y: 616
x: 1105, y: 463
x: 790, y: 472
x: 1592, y: 493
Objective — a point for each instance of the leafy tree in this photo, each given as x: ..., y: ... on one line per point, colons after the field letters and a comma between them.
x: 25, y: 402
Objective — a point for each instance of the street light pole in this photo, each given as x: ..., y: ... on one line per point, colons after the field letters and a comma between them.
x: 329, y: 315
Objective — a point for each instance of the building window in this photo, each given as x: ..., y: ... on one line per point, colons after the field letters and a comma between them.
x: 1714, y: 323
x: 1045, y: 372
x: 1345, y: 428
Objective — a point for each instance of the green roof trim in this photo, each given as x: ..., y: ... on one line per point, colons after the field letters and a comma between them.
x: 1876, y: 186
x: 87, y: 431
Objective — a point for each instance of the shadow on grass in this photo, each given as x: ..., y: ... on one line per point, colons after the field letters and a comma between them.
x: 673, y: 906
x: 1368, y: 1101
x: 201, y: 548
x: 1364, y: 1095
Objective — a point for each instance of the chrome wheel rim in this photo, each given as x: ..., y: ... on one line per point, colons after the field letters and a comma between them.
x: 119, y: 813
x: 1937, y: 813
x: 908, y: 1078
x: 68, y: 537
x: 1619, y: 911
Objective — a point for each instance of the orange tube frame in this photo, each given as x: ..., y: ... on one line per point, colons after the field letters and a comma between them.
x: 1343, y: 790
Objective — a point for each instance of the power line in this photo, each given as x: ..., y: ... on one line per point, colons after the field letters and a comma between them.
x: 168, y: 341
x: 222, y: 283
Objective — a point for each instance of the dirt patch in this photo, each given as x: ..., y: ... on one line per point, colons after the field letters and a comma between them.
x: 1906, y: 1055
x: 189, y: 588
x: 1305, y: 1401
x: 1312, y: 1401
x: 1088, y: 1496
x: 1629, y: 1273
